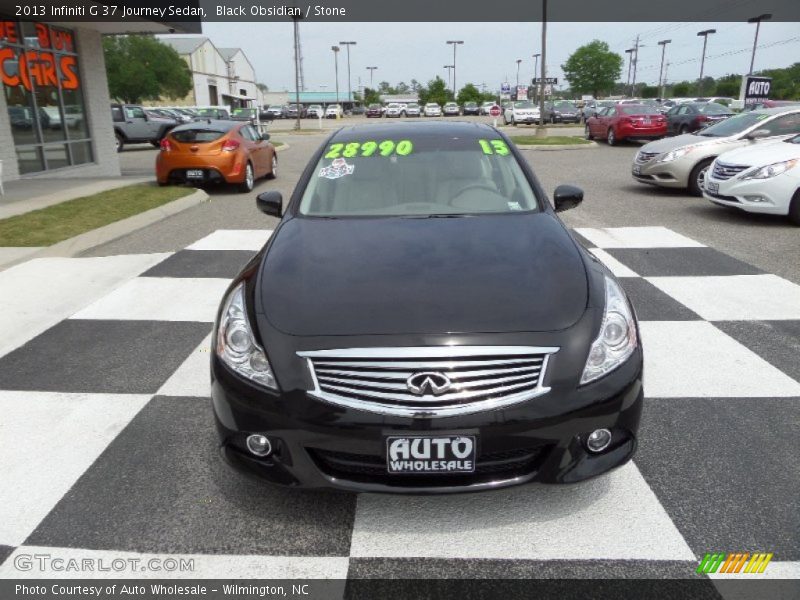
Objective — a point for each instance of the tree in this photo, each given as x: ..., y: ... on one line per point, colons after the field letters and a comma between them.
x: 385, y: 88
x: 140, y: 67
x: 682, y: 89
x: 729, y: 86
x: 402, y: 88
x: 592, y: 68
x: 371, y: 96
x: 436, y: 91
x: 262, y: 87
x: 469, y: 93
x: 415, y: 85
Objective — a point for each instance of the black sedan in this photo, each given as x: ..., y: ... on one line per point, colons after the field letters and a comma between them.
x: 692, y: 116
x: 561, y: 112
x: 472, y: 108
x: 421, y: 321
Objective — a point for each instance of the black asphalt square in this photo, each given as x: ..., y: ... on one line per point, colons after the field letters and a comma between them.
x: 777, y: 342
x: 162, y: 487
x: 223, y: 264
x: 651, y: 304
x: 724, y: 469
x: 681, y: 262
x: 99, y: 356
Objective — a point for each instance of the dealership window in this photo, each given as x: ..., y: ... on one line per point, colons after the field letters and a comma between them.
x: 43, y: 92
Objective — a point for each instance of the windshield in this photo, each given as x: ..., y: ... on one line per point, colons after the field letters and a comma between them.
x: 244, y: 112
x: 197, y: 135
x: 565, y: 106
x: 417, y: 176
x: 524, y: 105
x: 712, y: 108
x: 638, y: 109
x: 733, y: 125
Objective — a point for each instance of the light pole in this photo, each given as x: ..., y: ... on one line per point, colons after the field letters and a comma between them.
x: 705, y: 33
x: 349, y: 90
x: 629, y: 52
x: 757, y: 20
x: 663, y: 44
x: 448, y: 67
x: 541, y: 131
x: 519, y: 62
x: 295, y: 20
x: 535, y: 68
x: 336, y: 70
x: 371, y: 73
x: 455, y: 44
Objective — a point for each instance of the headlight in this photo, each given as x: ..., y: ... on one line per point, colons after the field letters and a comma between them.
x: 675, y: 154
x: 770, y: 170
x: 236, y: 345
x: 617, y: 338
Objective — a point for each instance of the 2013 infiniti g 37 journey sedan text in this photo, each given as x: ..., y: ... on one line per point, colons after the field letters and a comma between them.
x: 421, y: 321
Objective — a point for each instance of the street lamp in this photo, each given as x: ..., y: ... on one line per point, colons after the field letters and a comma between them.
x: 663, y: 44
x: 448, y: 67
x: 336, y: 70
x: 455, y: 44
x: 705, y: 33
x: 295, y: 20
x: 349, y: 91
x: 535, y: 68
x: 519, y: 61
x: 371, y: 73
x: 757, y: 20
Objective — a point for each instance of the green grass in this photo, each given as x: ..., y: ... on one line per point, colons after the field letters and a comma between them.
x: 552, y: 140
x: 59, y: 222
x: 276, y: 144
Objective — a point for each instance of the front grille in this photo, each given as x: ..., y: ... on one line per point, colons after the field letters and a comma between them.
x: 371, y: 468
x: 645, y: 157
x: 725, y: 171
x: 382, y: 379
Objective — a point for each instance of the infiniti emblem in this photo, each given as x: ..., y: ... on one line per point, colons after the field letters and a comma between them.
x: 428, y: 382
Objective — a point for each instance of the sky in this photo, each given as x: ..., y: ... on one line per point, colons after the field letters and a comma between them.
x: 405, y: 51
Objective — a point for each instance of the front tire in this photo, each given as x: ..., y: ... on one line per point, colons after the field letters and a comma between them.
x: 611, y: 137
x: 697, y: 177
x: 683, y: 130
x: 249, y: 180
x: 794, y: 208
x: 274, y: 171
x: 587, y: 133
x: 120, y: 143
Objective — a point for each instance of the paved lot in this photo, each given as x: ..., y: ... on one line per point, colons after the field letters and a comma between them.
x: 131, y: 466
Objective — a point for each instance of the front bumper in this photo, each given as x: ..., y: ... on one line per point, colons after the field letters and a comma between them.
x: 319, y: 445
x: 765, y: 196
x: 674, y: 174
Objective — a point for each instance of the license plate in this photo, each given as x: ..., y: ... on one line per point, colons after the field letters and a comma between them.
x: 637, y: 170
x: 712, y: 187
x: 416, y: 454
x: 646, y: 122
x: 194, y: 173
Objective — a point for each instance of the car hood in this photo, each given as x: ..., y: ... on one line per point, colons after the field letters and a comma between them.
x: 372, y: 276
x: 679, y: 141
x: 763, y: 153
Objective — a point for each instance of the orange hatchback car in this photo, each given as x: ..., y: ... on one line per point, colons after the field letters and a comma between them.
x: 216, y: 152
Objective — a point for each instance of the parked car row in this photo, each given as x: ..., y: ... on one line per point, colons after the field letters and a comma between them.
x: 749, y: 161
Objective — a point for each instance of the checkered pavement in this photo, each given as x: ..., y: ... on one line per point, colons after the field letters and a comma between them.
x: 108, y: 447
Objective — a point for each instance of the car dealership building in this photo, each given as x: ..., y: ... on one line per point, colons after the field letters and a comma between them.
x: 55, y: 105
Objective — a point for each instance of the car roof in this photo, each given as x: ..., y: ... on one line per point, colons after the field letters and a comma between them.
x: 415, y: 128
x: 209, y: 124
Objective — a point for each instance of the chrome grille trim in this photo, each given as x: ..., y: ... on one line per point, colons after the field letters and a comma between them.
x: 725, y: 171
x: 482, y: 377
x: 645, y: 157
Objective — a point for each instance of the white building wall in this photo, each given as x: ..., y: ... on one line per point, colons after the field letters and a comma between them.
x: 98, y: 113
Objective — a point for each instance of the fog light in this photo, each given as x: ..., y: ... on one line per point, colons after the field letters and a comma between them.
x: 598, y: 440
x: 259, y: 444
x: 755, y: 198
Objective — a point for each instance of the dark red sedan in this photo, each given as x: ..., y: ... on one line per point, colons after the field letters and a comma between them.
x: 626, y: 122
x: 374, y: 110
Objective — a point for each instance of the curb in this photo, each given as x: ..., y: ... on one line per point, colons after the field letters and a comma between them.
x: 559, y: 146
x: 101, y: 235
x: 282, y: 147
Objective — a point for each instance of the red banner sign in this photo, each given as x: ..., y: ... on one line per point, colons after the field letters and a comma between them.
x: 29, y: 67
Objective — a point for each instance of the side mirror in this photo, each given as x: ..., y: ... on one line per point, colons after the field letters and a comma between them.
x: 264, y: 137
x: 270, y: 203
x: 758, y: 134
x: 566, y: 197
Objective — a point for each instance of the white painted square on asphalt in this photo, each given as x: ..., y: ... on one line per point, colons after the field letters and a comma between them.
x: 205, y: 566
x: 192, y: 377
x: 692, y: 359
x: 735, y: 297
x: 233, y: 239
x: 47, y: 441
x: 616, y: 516
x: 616, y: 267
x: 47, y: 290
x: 160, y: 299
x: 637, y: 237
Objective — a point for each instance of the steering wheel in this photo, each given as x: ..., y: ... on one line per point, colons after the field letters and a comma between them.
x: 472, y: 186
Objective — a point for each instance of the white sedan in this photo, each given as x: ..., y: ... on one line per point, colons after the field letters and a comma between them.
x: 521, y: 112
x: 432, y: 110
x: 395, y: 109
x: 760, y: 179
x: 334, y: 111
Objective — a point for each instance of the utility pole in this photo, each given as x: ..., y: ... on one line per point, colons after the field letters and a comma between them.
x: 663, y: 44
x: 535, y: 69
x: 349, y: 90
x: 448, y: 67
x: 757, y: 20
x: 519, y: 61
x: 336, y: 70
x: 705, y: 33
x: 371, y: 73
x: 629, y: 52
x: 635, y: 64
x: 295, y: 20
x: 455, y: 44
x: 541, y: 131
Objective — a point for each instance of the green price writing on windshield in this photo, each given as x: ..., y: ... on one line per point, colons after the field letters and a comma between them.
x: 370, y: 147
x: 498, y: 147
